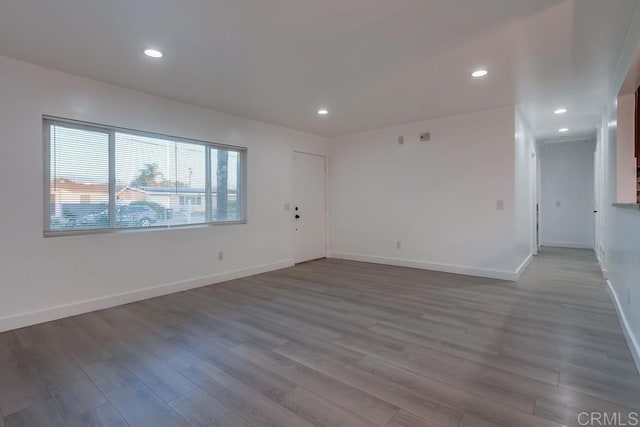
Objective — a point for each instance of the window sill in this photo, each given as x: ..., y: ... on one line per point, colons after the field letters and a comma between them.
x: 66, y: 233
x: 632, y: 206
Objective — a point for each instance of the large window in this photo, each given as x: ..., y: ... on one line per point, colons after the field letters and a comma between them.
x: 99, y: 178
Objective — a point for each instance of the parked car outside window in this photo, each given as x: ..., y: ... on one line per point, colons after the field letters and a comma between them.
x: 126, y: 216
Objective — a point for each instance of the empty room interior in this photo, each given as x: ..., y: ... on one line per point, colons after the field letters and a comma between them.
x: 352, y: 213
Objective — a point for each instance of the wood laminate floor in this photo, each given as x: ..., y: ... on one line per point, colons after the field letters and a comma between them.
x: 334, y: 343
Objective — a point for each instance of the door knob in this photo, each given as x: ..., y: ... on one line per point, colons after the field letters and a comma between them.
x: 297, y: 216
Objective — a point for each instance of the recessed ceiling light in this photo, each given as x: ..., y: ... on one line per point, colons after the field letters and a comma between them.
x: 323, y: 111
x: 563, y: 130
x: 153, y: 53
x: 479, y: 73
x: 560, y: 111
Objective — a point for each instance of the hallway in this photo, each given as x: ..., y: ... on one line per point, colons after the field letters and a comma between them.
x: 330, y: 343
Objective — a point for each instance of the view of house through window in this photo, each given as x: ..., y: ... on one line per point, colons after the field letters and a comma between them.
x: 103, y: 178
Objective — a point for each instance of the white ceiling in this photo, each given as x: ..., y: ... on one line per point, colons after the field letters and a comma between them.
x: 372, y: 63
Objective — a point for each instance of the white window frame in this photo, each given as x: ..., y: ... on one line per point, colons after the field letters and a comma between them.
x: 48, y: 121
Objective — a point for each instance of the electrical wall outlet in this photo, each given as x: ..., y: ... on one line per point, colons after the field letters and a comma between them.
x: 401, y: 140
x: 425, y: 136
x: 500, y: 205
x: 221, y: 256
x: 398, y: 244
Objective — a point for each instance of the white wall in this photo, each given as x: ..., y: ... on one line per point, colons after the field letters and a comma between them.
x: 438, y: 198
x: 48, y: 278
x: 620, y: 241
x: 567, y: 203
x: 620, y: 238
x: 620, y: 232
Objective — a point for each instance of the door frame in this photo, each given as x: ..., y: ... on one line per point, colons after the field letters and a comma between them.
x: 326, y: 203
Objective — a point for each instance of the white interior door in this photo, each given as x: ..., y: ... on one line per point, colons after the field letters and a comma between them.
x: 309, y: 206
x: 596, y: 203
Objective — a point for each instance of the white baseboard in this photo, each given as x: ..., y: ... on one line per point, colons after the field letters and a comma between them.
x: 572, y: 245
x: 632, y: 342
x: 424, y: 265
x: 605, y: 272
x: 523, y: 267
x: 80, y: 307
